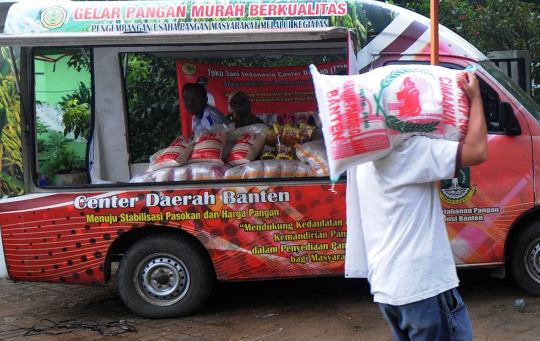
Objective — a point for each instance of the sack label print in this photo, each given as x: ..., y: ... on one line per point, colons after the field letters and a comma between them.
x: 365, y: 116
x: 357, y: 129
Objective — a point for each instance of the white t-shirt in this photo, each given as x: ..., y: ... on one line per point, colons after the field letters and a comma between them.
x: 211, y: 100
x: 210, y: 117
x: 408, y: 253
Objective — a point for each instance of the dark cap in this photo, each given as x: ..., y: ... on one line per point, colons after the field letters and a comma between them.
x: 202, y: 80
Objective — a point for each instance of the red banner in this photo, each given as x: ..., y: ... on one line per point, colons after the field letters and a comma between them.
x: 273, y: 91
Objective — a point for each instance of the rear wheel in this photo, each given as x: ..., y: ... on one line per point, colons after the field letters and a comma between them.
x: 525, y: 259
x: 164, y: 276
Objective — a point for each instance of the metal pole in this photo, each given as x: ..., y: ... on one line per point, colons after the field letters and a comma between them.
x: 434, y: 14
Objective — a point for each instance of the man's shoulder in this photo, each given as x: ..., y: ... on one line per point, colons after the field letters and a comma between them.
x: 216, y: 115
x: 213, y: 110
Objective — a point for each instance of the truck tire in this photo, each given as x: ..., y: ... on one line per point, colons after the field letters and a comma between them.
x: 164, y: 276
x: 525, y: 259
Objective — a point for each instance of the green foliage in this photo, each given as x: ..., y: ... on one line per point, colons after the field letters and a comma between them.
x: 11, y: 168
x: 41, y: 128
x: 65, y: 162
x: 491, y: 25
x: 57, y: 157
x: 77, y: 115
x: 76, y: 119
x: 83, y: 95
x: 78, y: 59
x: 154, y: 114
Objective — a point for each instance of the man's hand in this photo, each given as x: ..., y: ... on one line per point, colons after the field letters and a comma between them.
x: 471, y: 85
x: 474, y: 150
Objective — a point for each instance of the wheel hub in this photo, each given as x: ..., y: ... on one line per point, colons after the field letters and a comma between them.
x: 162, y: 279
x: 534, y: 259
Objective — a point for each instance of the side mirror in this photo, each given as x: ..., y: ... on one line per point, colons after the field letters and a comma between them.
x: 508, y: 122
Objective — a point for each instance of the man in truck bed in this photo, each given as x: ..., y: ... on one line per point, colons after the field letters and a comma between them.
x: 196, y: 102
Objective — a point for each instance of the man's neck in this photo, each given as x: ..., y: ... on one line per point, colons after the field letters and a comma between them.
x: 200, y: 115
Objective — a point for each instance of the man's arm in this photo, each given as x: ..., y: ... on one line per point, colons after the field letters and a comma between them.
x: 217, y: 116
x: 474, y: 149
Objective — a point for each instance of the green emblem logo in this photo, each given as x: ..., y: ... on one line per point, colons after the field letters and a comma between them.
x: 457, y: 190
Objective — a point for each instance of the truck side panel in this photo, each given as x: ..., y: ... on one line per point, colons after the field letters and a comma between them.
x: 250, y: 232
x: 480, y: 213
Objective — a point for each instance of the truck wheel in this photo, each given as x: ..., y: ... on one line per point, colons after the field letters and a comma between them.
x: 525, y: 259
x: 163, y: 276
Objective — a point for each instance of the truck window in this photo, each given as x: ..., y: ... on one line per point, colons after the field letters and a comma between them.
x: 513, y: 88
x: 153, y: 81
x: 63, y: 97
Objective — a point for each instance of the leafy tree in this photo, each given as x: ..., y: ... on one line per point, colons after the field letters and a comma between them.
x: 57, y: 157
x: 76, y: 107
x: 491, y: 25
x: 154, y: 114
x: 76, y: 119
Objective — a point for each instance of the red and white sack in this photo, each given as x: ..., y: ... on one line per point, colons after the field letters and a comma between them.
x: 365, y: 116
x: 234, y: 134
x: 209, y: 145
x: 246, y: 148
x: 233, y: 137
x: 173, y: 156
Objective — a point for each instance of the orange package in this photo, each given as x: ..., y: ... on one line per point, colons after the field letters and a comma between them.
x: 286, y: 148
x: 269, y: 150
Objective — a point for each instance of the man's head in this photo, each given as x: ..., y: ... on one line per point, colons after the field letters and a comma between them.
x: 195, y: 98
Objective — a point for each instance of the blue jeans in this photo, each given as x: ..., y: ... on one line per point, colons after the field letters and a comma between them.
x: 440, y: 318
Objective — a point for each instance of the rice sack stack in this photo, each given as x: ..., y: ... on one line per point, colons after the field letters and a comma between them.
x: 365, y: 116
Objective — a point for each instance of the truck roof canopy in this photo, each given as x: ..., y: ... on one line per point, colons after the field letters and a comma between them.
x: 170, y: 38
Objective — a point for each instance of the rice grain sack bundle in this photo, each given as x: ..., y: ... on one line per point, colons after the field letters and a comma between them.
x: 365, y: 116
x: 314, y: 153
x: 248, y: 170
x: 206, y: 171
x: 159, y: 175
x: 179, y: 173
x: 175, y: 155
x: 209, y: 145
x: 273, y: 168
x: 246, y: 148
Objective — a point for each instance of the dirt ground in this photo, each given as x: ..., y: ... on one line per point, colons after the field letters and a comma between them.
x: 334, y: 309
